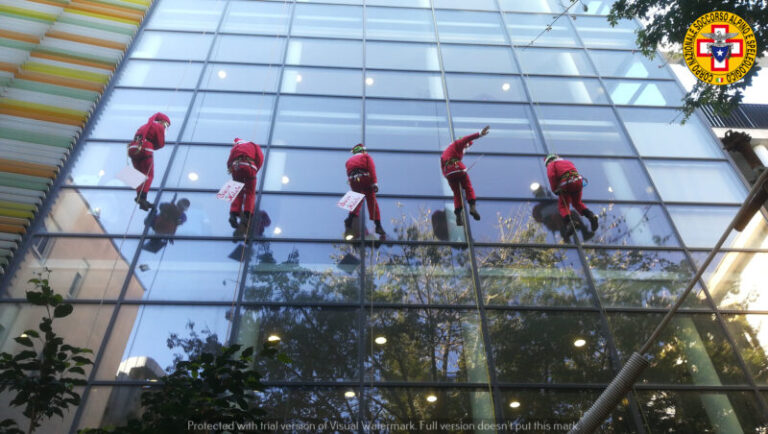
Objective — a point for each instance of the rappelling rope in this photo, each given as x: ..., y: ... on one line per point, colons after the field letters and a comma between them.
x: 256, y: 214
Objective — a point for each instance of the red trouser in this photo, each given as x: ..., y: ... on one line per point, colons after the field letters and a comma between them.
x: 570, y: 194
x: 146, y: 166
x: 247, y: 175
x: 363, y: 184
x: 457, y: 180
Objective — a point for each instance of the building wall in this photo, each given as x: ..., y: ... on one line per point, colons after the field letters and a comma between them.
x: 500, y: 320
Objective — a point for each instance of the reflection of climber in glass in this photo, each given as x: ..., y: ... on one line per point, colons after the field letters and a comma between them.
x: 171, y: 215
x: 245, y: 160
x: 456, y: 173
x: 148, y: 138
x: 361, y: 173
x: 566, y: 182
x: 546, y: 212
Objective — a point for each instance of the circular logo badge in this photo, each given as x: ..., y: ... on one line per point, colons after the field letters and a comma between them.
x: 719, y: 48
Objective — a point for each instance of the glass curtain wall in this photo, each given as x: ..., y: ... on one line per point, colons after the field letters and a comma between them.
x: 496, y: 322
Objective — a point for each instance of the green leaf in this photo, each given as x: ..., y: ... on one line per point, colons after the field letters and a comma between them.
x: 284, y: 358
x: 77, y: 370
x: 27, y: 342
x: 32, y: 333
x: 35, y: 298
x: 62, y: 310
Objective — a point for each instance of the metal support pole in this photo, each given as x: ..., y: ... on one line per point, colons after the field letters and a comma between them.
x: 627, y: 377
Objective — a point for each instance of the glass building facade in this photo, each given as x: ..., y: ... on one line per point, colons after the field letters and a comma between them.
x: 499, y: 321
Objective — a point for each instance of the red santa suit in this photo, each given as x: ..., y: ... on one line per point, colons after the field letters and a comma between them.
x: 455, y: 171
x: 565, y: 180
x: 245, y: 160
x: 362, y: 176
x: 148, y: 138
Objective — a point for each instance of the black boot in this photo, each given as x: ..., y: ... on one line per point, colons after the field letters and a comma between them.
x: 348, y: 221
x: 379, y: 230
x: 459, y: 217
x: 473, y: 211
x: 567, y: 230
x: 592, y: 219
x: 144, y: 204
x: 233, y: 219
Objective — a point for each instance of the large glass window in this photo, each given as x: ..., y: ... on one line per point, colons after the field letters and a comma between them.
x: 512, y: 128
x: 693, y: 181
x: 513, y: 222
x: 172, y: 46
x: 316, y: 121
x: 629, y: 225
x: 540, y: 347
x: 244, y: 78
x: 642, y: 278
x: 545, y: 6
x: 586, y: 130
x: 325, y: 20
x: 156, y: 337
x: 199, y: 167
x: 691, y: 140
x: 484, y: 5
x: 659, y: 93
x: 98, y: 164
x: 598, y: 32
x: 736, y: 281
x: 295, y: 170
x: 691, y: 349
x: 497, y: 176
x: 628, y: 64
x: 148, y: 74
x: 614, y: 179
x: 748, y: 332
x: 391, y: 405
x: 526, y: 28
x: 693, y: 411
x: 399, y: 24
x: 250, y: 49
x: 394, y: 55
x: 404, y: 85
x: 220, y: 117
x: 322, y: 81
x: 702, y: 226
x: 470, y: 27
x: 404, y: 3
x: 470, y: 58
x: 415, y: 126
x: 125, y: 110
x: 324, y: 52
x: 96, y: 211
x: 300, y: 330
x: 445, y: 346
x: 184, y: 269
x: 476, y: 87
x: 567, y: 90
x: 529, y: 276
x: 555, y: 62
x: 422, y: 275
x: 257, y: 17
x: 195, y: 15
x: 303, y: 272
x: 81, y: 268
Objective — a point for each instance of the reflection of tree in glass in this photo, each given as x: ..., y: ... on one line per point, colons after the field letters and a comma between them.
x: 700, y: 412
x: 193, y: 346
x: 690, y: 350
x: 644, y: 278
x: 747, y: 340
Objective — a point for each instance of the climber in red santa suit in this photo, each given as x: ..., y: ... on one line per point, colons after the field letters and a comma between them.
x: 456, y: 173
x: 148, y: 138
x: 566, y: 182
x: 361, y: 173
x: 245, y: 160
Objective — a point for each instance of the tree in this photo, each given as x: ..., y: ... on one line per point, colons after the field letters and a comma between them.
x: 43, y: 379
x: 217, y: 384
x: 667, y: 23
